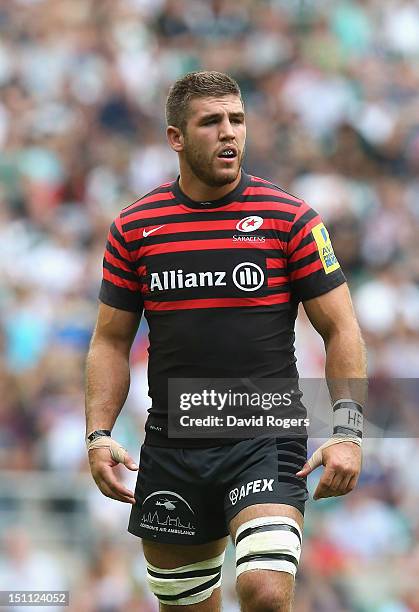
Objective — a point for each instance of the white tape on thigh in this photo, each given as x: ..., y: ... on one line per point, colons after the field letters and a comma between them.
x: 268, y: 543
x: 188, y: 584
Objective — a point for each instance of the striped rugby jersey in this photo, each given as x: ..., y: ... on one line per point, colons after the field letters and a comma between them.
x: 219, y: 283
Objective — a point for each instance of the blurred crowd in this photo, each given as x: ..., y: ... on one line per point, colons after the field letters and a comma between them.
x: 331, y: 89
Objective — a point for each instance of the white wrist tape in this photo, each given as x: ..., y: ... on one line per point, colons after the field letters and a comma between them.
x: 347, y: 427
x: 347, y: 418
x: 118, y: 452
x: 316, y: 458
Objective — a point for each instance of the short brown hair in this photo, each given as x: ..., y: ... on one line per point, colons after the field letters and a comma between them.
x: 205, y: 84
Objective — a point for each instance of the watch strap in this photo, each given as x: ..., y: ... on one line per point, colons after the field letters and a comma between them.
x: 98, y: 433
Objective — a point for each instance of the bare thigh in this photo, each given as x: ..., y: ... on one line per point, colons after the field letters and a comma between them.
x: 170, y: 556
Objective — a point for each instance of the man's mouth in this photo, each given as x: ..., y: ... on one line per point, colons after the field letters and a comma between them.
x: 228, y: 153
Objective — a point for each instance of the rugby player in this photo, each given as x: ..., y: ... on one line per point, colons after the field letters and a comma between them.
x: 174, y: 254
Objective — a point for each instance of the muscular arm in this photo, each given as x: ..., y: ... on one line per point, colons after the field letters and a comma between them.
x: 107, y: 385
x: 107, y: 366
x: 332, y: 315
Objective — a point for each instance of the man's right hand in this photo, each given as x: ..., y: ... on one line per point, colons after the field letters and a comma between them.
x: 102, y: 468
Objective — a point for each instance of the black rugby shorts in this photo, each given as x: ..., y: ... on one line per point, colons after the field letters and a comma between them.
x: 189, y: 496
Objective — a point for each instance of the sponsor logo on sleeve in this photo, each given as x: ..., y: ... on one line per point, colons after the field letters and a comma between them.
x: 324, y: 246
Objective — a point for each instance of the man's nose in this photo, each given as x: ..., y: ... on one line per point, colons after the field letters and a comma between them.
x: 226, y: 130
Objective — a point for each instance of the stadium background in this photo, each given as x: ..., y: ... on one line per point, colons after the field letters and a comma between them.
x: 332, y: 92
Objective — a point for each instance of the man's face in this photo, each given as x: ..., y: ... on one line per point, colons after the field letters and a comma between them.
x: 214, y: 139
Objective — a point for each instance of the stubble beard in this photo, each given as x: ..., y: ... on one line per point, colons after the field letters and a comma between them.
x: 202, y: 166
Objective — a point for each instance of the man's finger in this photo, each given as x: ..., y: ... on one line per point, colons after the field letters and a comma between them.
x: 313, y: 462
x: 130, y: 463
x: 344, y: 487
x: 352, y: 483
x: 121, y: 490
x: 114, y: 494
x: 118, y: 452
x: 305, y: 470
x: 105, y: 478
x: 117, y: 487
x: 324, y: 484
x: 123, y: 498
x: 116, y: 491
x: 335, y: 488
x: 340, y: 485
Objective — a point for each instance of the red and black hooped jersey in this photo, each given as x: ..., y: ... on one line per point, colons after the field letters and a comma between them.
x: 219, y: 281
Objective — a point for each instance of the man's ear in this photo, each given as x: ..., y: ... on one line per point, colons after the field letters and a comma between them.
x: 175, y: 138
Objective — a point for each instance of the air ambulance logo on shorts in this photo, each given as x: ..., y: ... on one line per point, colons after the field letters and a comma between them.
x: 324, y: 246
x: 168, y: 512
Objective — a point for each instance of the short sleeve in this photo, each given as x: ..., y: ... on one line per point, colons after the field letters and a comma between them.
x: 121, y: 286
x: 312, y: 265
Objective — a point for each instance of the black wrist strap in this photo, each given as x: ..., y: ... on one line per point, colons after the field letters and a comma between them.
x: 98, y: 433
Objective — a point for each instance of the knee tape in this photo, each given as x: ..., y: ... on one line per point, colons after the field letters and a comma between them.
x: 268, y: 543
x: 188, y: 584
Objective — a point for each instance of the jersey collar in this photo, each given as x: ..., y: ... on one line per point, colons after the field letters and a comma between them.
x: 182, y: 198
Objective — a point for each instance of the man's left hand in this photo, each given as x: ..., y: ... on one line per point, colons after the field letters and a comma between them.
x: 342, y: 466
